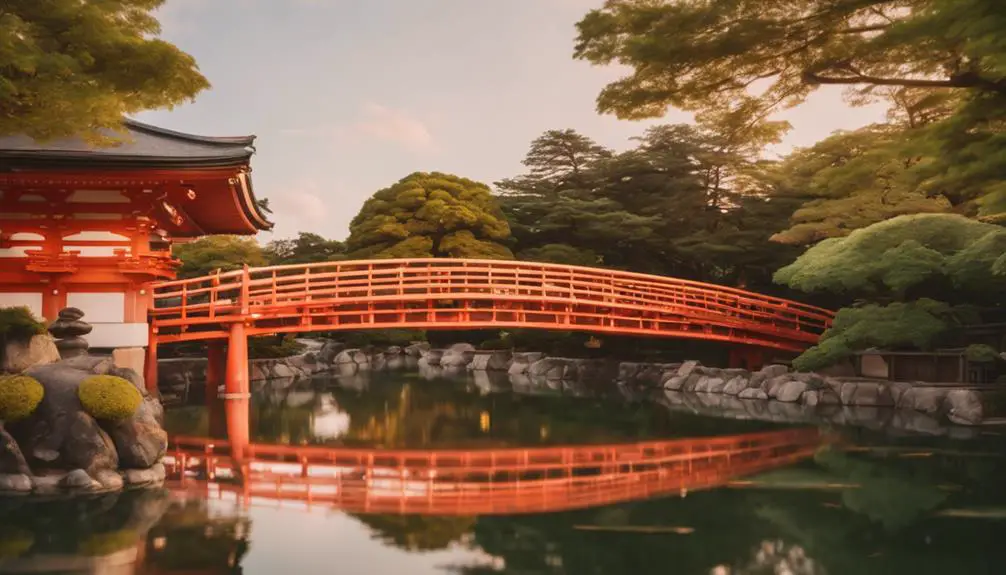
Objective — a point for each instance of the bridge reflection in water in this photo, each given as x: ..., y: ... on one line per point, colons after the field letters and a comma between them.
x: 476, y: 482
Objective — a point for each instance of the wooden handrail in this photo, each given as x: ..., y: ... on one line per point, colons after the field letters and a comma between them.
x: 325, y: 293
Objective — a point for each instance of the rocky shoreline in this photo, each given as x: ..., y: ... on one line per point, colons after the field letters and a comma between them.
x: 773, y: 393
x: 71, y: 422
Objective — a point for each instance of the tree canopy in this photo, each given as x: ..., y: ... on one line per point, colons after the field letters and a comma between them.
x: 69, y: 67
x: 225, y: 253
x: 305, y: 248
x: 939, y: 64
x: 430, y: 215
x: 947, y: 256
x: 706, y: 55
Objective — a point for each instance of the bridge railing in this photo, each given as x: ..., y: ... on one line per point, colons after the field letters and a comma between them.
x: 485, y: 481
x: 278, y: 289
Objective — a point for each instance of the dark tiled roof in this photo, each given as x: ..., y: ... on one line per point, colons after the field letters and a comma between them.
x: 142, y: 145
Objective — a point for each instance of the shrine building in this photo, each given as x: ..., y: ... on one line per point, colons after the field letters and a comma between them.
x: 92, y: 226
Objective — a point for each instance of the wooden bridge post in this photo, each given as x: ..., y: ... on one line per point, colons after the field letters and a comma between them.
x: 216, y: 366
x: 237, y: 385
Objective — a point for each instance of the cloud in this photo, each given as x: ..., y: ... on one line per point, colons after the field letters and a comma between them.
x: 299, y: 208
x: 394, y: 125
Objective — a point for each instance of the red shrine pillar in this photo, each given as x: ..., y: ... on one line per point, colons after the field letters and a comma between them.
x: 237, y: 385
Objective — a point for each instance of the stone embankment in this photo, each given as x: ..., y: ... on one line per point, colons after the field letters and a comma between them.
x: 771, y: 393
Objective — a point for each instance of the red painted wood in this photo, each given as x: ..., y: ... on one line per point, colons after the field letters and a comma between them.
x: 467, y: 294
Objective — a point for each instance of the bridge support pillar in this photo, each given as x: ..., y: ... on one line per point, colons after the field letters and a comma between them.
x: 236, y: 385
x: 748, y: 358
x: 216, y: 369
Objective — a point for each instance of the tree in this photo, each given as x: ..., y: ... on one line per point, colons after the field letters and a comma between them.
x: 706, y: 55
x: 430, y: 215
x: 211, y: 253
x: 305, y: 248
x: 851, y: 180
x: 70, y: 68
x: 941, y: 64
x: 920, y: 278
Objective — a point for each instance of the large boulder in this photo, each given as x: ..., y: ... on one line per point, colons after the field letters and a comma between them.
x: 522, y: 362
x: 736, y: 385
x: 549, y: 368
x: 790, y: 391
x: 457, y: 356
x: 495, y: 360
x: 87, y: 446
x: 964, y: 407
x: 140, y: 441
x: 928, y: 400
x: 42, y: 435
x: 329, y: 351
x: 20, y: 355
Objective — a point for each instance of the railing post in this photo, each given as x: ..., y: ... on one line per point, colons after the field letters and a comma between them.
x: 243, y: 302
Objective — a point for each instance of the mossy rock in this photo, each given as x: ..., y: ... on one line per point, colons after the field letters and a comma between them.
x: 19, y: 396
x: 109, y: 398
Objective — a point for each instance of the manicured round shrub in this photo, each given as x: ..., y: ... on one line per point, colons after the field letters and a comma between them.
x: 109, y: 397
x: 19, y: 396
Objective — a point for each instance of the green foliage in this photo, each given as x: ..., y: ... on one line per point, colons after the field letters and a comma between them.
x: 938, y: 63
x: 19, y: 323
x: 430, y: 215
x: 211, y: 253
x: 69, y: 68
x: 920, y: 324
x: 981, y: 353
x: 379, y: 337
x: 907, y: 255
x: 560, y: 254
x: 849, y: 181
x: 305, y: 248
x: 705, y: 55
x: 274, y: 347
x: 20, y: 395
x: 686, y: 201
x: 109, y: 398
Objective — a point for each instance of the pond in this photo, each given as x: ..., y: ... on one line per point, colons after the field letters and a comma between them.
x: 864, y: 503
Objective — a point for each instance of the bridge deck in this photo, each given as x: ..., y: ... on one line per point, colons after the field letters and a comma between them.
x: 470, y: 294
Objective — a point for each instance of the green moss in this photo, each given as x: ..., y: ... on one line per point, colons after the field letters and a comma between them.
x: 15, y: 542
x: 101, y: 544
x: 18, y: 322
x: 981, y: 353
x: 19, y: 396
x: 109, y: 398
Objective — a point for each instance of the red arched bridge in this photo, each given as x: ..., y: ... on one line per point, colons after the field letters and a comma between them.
x: 478, y: 482
x: 468, y: 294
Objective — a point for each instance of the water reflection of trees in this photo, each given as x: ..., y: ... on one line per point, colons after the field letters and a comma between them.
x: 885, y: 526
x: 418, y: 532
x: 192, y: 538
x: 34, y: 531
x: 407, y: 412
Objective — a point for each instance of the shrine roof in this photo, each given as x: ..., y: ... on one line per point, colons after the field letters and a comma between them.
x: 140, y: 146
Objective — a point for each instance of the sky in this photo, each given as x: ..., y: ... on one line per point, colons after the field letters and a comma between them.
x: 347, y: 97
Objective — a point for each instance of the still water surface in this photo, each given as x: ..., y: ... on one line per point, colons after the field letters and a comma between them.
x: 907, y: 505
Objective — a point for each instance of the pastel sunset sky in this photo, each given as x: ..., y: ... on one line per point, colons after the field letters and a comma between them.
x: 348, y: 96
